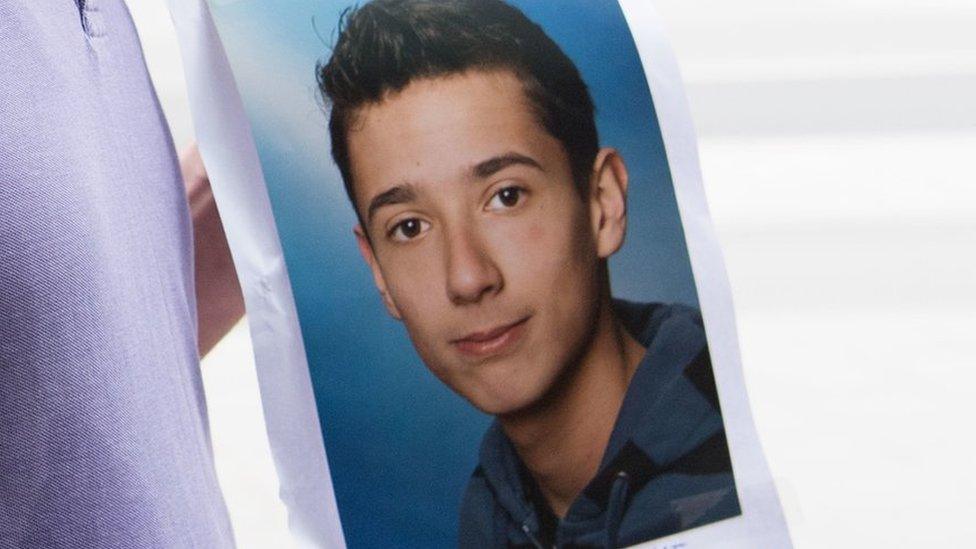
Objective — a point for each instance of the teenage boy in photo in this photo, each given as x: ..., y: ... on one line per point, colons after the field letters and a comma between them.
x: 487, y: 213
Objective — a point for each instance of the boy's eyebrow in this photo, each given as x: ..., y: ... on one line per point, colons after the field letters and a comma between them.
x: 486, y: 168
x: 493, y: 165
x: 395, y: 195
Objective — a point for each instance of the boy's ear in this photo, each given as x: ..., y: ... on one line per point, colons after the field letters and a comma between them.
x: 608, y: 202
x: 366, y: 249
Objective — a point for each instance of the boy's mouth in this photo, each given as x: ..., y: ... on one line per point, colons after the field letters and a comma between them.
x: 493, y: 341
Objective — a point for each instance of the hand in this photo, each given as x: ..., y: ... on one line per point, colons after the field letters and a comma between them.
x: 220, y: 303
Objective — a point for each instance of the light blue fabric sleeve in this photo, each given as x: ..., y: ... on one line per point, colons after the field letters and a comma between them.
x: 103, y: 428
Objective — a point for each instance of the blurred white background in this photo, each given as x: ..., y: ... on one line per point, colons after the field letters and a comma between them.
x: 838, y: 145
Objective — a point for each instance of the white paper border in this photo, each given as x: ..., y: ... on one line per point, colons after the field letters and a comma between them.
x: 761, y: 523
x: 228, y: 150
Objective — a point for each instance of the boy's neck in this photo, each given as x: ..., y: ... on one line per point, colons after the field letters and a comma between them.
x: 562, y: 439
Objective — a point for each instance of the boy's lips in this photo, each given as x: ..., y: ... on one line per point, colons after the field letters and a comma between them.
x: 492, y: 341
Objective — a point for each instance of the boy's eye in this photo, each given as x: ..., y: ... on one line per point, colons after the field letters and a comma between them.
x: 506, y: 198
x: 408, y: 229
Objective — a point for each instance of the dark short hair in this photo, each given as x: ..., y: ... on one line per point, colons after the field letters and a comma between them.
x: 385, y: 44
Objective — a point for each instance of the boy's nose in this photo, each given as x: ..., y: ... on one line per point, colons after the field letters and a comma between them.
x: 471, y: 273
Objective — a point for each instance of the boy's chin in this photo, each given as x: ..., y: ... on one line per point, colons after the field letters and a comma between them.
x: 508, y: 403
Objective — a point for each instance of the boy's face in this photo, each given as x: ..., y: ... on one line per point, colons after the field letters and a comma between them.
x: 478, y: 239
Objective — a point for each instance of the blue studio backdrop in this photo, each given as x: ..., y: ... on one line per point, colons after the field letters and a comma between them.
x: 401, y: 446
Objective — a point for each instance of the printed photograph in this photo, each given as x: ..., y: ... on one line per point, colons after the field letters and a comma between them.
x: 490, y: 270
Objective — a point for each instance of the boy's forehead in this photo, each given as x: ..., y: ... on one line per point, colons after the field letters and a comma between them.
x: 441, y: 127
x: 451, y: 101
